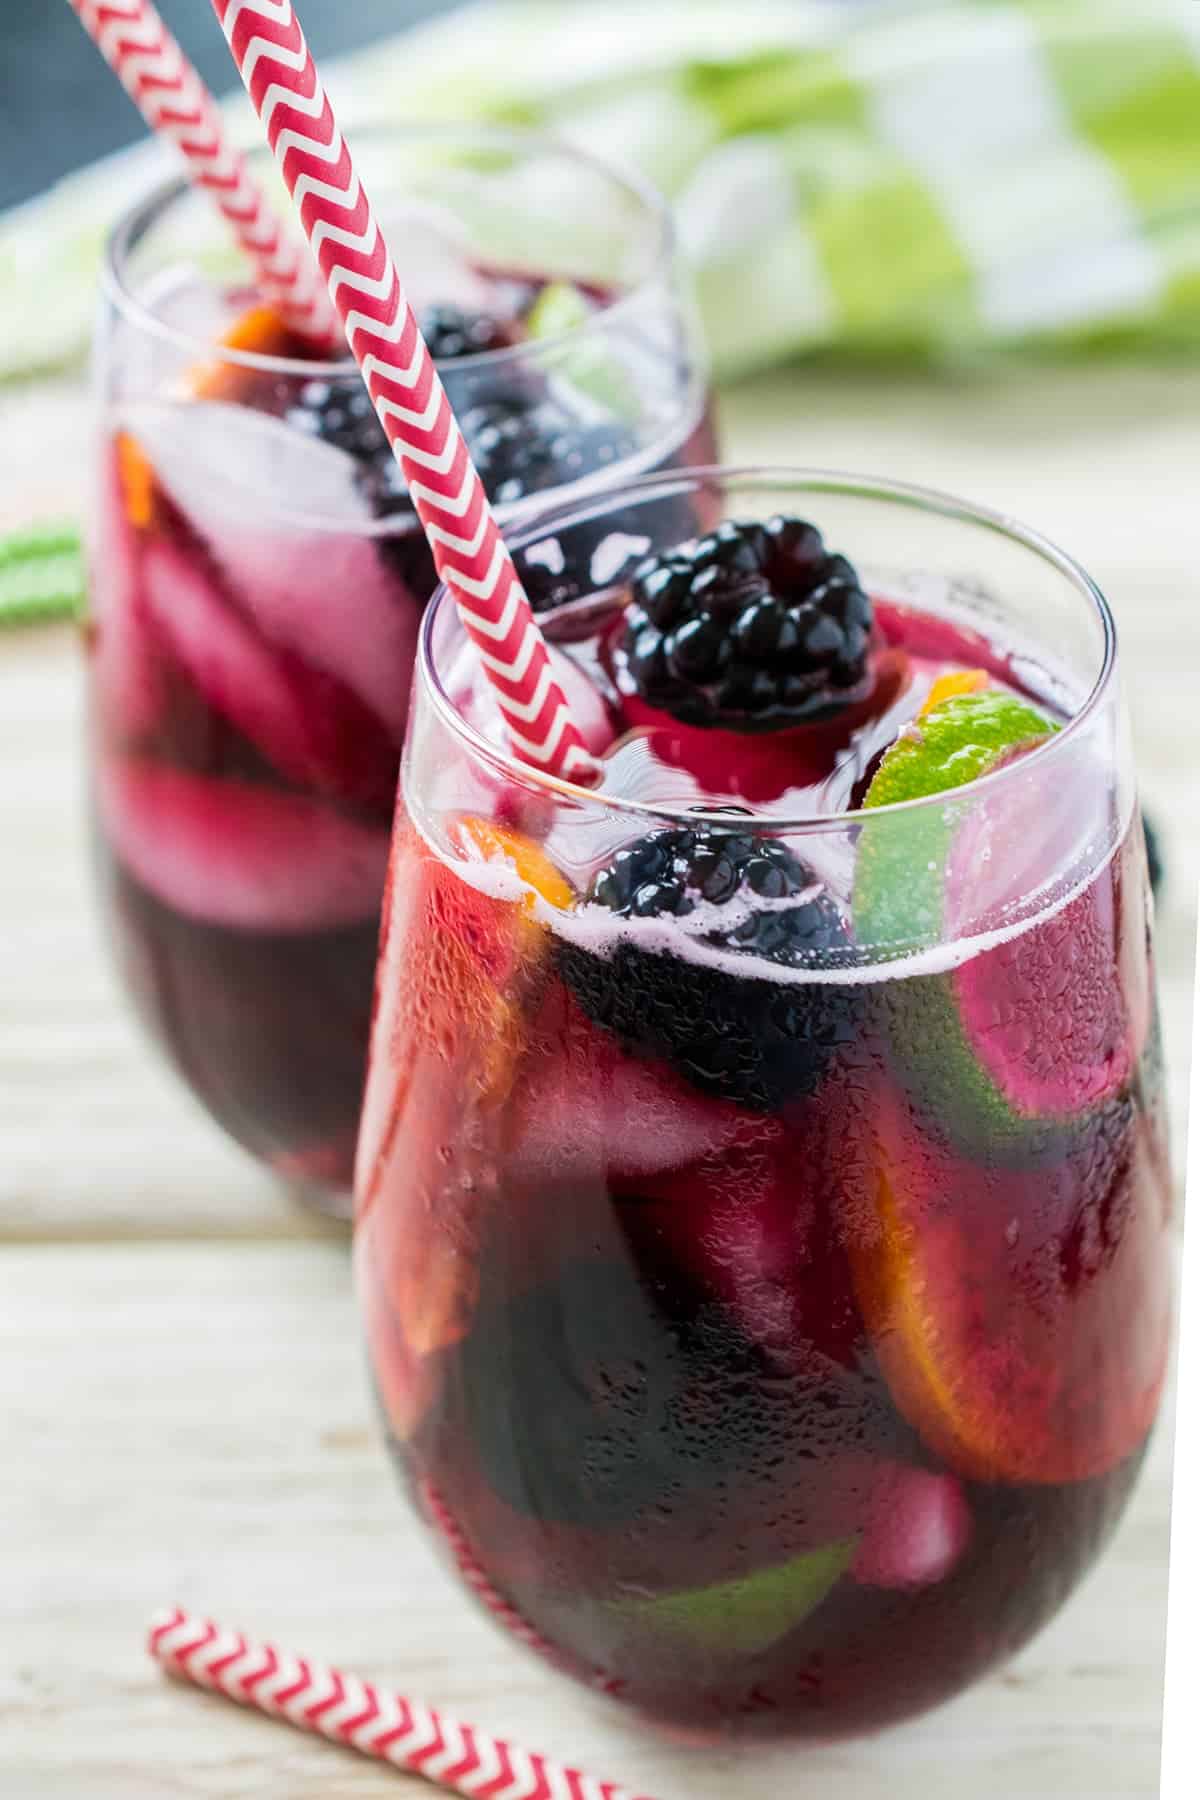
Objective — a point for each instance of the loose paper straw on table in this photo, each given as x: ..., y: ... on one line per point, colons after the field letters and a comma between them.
x: 176, y: 105
x: 272, y: 55
x: 349, y: 1711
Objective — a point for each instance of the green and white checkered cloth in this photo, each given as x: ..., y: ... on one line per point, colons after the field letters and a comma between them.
x: 940, y: 178
x: 857, y: 176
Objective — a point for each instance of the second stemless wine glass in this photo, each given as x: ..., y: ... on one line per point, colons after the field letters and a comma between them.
x: 769, y: 1308
x: 258, y: 579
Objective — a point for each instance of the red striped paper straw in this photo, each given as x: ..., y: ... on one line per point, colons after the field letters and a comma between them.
x: 273, y: 57
x: 176, y: 105
x: 347, y: 1710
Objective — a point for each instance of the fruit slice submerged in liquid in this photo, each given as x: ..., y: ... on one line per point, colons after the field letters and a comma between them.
x: 446, y: 1045
x: 1057, y: 1015
x: 1021, y: 1318
x: 311, y: 728
x: 126, y: 655
x: 905, y: 1528
x: 1023, y: 1039
x: 746, y: 1616
x: 235, y: 854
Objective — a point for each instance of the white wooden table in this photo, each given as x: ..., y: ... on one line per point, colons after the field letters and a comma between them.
x: 183, y: 1407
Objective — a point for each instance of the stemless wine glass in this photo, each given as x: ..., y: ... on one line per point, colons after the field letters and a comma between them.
x: 772, y: 1339
x: 258, y: 578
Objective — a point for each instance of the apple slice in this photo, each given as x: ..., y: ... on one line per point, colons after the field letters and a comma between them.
x: 230, y: 853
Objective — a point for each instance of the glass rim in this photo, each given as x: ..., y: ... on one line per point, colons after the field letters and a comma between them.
x: 146, y: 212
x: 933, y: 501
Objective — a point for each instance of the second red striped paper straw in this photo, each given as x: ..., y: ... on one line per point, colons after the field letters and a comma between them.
x: 350, y: 1711
x: 177, y: 106
x: 273, y: 58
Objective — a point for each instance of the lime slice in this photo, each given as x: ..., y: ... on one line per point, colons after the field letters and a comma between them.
x: 750, y: 1614
x: 559, y: 308
x: 1006, y: 1095
x: 899, y: 889
x: 954, y: 742
x: 591, y: 367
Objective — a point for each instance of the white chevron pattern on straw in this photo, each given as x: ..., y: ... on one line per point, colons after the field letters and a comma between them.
x: 173, y: 100
x: 272, y: 56
x: 350, y: 1711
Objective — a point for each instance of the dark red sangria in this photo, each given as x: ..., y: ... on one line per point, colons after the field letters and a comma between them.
x: 762, y: 1194
x: 258, y: 578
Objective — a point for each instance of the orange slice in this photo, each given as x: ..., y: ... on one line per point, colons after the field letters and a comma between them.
x: 1020, y: 1316
x: 481, y: 841
x: 459, y: 981
x: 139, y: 489
x: 260, y: 332
x: 951, y: 685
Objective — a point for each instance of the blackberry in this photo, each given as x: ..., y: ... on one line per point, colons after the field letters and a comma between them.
x: 597, y: 553
x: 753, y: 627
x: 339, y: 413
x: 522, y: 445
x: 746, y: 1037
x: 453, y: 331
x: 521, y: 441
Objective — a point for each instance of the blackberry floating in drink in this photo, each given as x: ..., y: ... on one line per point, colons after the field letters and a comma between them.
x: 259, y: 577
x: 762, y: 1191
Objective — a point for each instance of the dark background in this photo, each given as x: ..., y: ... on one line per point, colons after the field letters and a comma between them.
x: 60, y: 107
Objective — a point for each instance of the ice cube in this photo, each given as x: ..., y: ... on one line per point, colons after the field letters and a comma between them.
x: 284, y: 520
x: 234, y: 854
x: 586, y: 1110
x: 209, y: 454
x: 310, y: 727
x: 918, y: 1528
